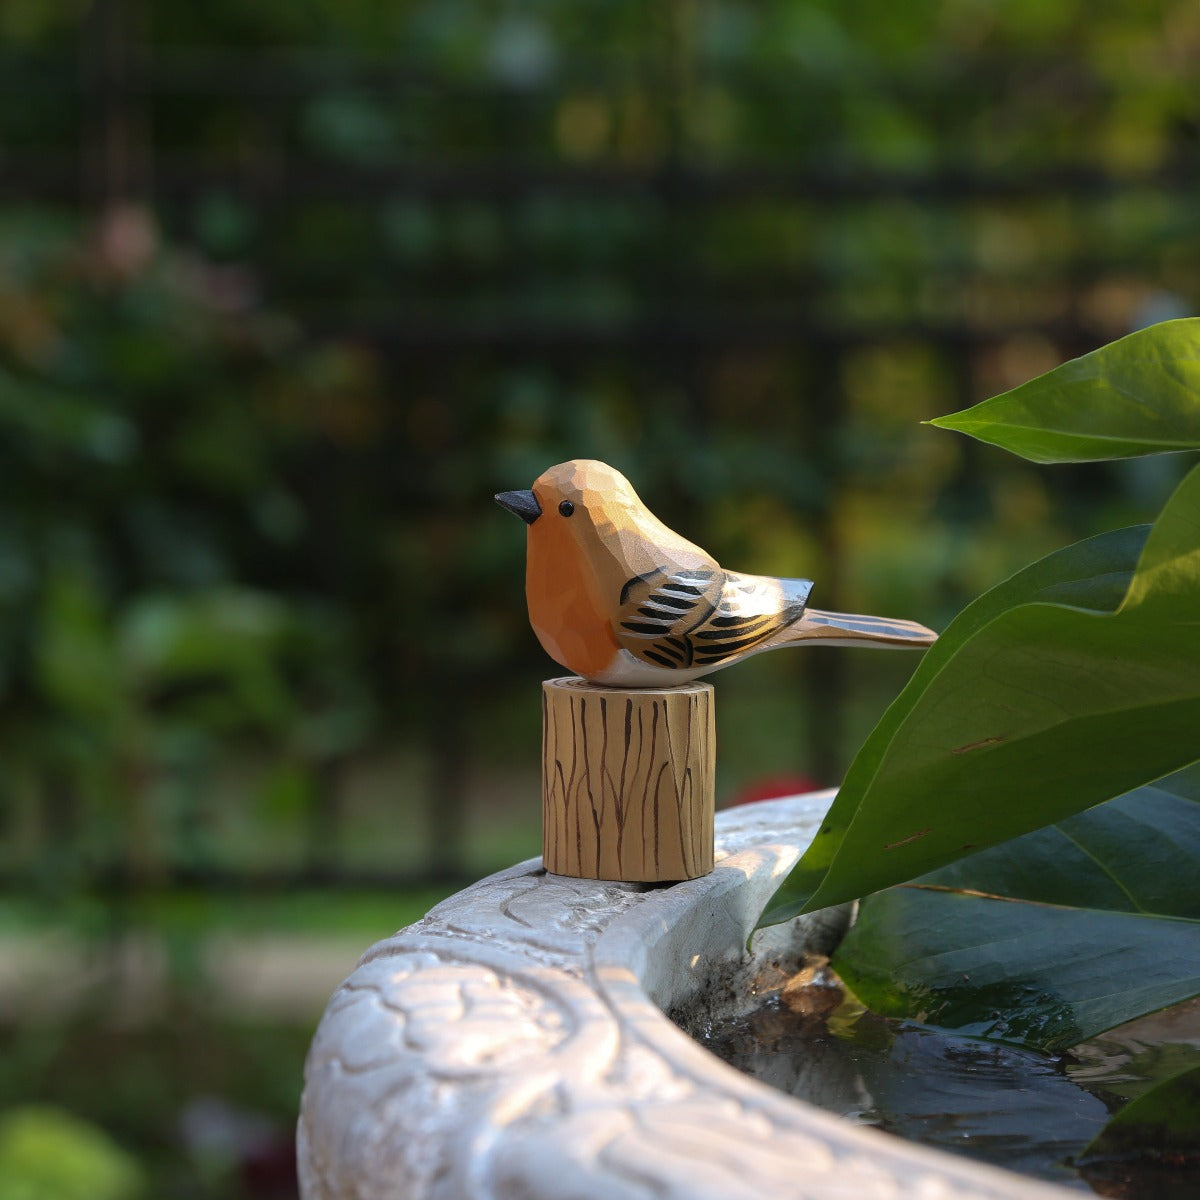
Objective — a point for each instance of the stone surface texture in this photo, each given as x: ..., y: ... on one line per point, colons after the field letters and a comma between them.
x: 512, y: 1045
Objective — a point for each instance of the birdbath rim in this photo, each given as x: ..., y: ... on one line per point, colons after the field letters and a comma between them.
x: 513, y: 1043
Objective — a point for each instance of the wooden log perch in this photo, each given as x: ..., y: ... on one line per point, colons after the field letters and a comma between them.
x: 627, y: 781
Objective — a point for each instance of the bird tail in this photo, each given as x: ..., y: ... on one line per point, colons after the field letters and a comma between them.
x: 829, y: 628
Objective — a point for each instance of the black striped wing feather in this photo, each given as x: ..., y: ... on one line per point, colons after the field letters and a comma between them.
x: 703, y: 617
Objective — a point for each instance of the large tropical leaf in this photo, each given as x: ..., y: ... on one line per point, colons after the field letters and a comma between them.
x: 1075, y: 681
x: 1138, y: 395
x: 1048, y: 939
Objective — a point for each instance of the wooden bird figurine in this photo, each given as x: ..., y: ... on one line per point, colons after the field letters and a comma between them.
x: 618, y: 598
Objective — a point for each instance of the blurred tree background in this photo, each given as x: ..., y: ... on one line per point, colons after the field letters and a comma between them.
x: 289, y: 289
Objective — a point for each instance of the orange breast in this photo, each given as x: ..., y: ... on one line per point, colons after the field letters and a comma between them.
x: 570, y: 620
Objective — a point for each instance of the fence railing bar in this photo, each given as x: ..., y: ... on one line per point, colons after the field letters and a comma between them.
x: 293, y: 72
x: 293, y: 179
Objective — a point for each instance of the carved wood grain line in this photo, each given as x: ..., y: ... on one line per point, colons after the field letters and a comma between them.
x: 619, y: 798
x: 652, y: 848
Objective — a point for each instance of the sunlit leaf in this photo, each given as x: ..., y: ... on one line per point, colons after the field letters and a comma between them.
x: 1137, y: 395
x: 1047, y: 696
x: 46, y: 1151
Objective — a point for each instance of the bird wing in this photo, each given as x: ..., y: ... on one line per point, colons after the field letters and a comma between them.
x: 704, y: 617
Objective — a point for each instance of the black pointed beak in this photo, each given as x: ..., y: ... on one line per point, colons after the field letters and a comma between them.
x: 524, y: 504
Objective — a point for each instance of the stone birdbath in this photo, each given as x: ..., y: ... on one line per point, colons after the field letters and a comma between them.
x: 515, y: 1044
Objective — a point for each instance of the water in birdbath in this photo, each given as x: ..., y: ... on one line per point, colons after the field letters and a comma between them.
x: 1014, y: 1108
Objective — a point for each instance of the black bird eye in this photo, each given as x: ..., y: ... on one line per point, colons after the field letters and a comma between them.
x: 566, y: 508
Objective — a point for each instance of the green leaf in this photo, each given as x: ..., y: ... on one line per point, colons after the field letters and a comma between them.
x: 48, y: 1152
x: 1137, y: 853
x: 75, y: 655
x: 1163, y: 1121
x: 1043, y: 698
x: 1100, y: 568
x: 1049, y: 939
x: 230, y: 639
x: 1137, y: 395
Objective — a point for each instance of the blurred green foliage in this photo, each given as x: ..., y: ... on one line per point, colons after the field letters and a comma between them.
x: 143, y: 482
x: 48, y: 1154
x: 288, y: 290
